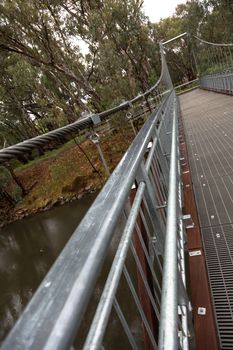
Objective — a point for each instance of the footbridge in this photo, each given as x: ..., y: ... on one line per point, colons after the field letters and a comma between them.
x: 160, y: 233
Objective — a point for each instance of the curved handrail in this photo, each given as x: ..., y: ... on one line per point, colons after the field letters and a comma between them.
x: 210, y: 43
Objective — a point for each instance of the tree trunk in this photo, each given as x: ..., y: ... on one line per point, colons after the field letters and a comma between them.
x: 14, y: 177
x: 6, y: 195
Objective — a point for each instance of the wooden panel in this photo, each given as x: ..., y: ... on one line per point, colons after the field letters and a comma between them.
x: 204, y: 326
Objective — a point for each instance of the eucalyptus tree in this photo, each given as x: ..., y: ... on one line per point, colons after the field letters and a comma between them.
x: 42, y: 82
x: 46, y: 80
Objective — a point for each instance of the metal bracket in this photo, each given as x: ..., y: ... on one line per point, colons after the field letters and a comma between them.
x: 179, y: 310
x: 187, y: 220
x: 190, y: 307
x: 94, y: 138
x: 150, y: 198
x: 133, y: 186
x: 161, y: 206
x: 201, y: 311
x: 195, y: 253
x: 95, y: 119
x: 129, y: 115
x: 130, y: 104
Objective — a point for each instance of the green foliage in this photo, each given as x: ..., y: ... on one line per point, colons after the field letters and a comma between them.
x: 45, y: 79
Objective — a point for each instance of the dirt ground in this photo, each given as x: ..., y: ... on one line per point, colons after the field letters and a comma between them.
x: 66, y: 176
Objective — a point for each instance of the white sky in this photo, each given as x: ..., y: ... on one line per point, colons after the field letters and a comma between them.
x: 157, y: 9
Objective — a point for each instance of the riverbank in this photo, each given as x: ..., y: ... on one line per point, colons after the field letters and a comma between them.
x: 65, y: 177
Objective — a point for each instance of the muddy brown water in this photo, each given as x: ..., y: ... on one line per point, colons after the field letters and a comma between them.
x: 29, y: 247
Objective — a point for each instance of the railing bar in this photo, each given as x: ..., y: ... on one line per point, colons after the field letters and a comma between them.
x: 189, y: 82
x: 179, y: 265
x: 157, y: 188
x: 139, y: 266
x: 151, y: 175
x: 175, y: 38
x: 150, y: 238
x: 179, y: 346
x: 99, y: 323
x: 185, y: 339
x: 165, y: 126
x: 160, y: 182
x: 179, y: 322
x: 139, y: 307
x: 147, y: 256
x: 210, y: 43
x: 156, y: 137
x: 158, y: 168
x: 164, y: 166
x: 169, y: 303
x: 125, y: 324
x: 155, y: 222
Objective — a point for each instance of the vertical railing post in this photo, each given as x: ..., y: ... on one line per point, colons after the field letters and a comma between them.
x: 129, y: 117
x: 95, y: 140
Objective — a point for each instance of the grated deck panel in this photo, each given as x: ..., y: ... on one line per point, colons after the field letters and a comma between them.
x: 208, y: 123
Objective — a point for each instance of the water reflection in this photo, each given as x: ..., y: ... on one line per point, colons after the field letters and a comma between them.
x: 28, y: 248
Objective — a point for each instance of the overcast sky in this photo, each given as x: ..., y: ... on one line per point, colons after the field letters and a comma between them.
x: 156, y: 9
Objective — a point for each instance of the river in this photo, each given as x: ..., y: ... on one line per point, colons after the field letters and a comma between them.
x: 29, y: 247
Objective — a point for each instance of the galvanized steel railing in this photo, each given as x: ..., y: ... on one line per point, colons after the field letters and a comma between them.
x: 215, y: 62
x: 186, y: 87
x: 137, y: 218
x: 221, y: 82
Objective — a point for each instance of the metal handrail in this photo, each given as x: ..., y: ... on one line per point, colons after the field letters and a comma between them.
x: 93, y: 235
x: 175, y: 38
x: 210, y: 43
x: 185, y: 84
x: 51, y: 319
x: 218, y: 82
x: 168, y: 321
x: 215, y: 65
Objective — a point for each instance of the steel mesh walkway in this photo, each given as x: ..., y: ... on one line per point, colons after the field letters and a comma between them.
x: 208, y: 122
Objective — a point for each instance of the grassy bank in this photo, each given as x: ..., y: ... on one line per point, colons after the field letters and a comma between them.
x: 65, y: 174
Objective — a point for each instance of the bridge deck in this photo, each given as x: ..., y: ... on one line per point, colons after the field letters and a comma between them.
x: 208, y: 123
